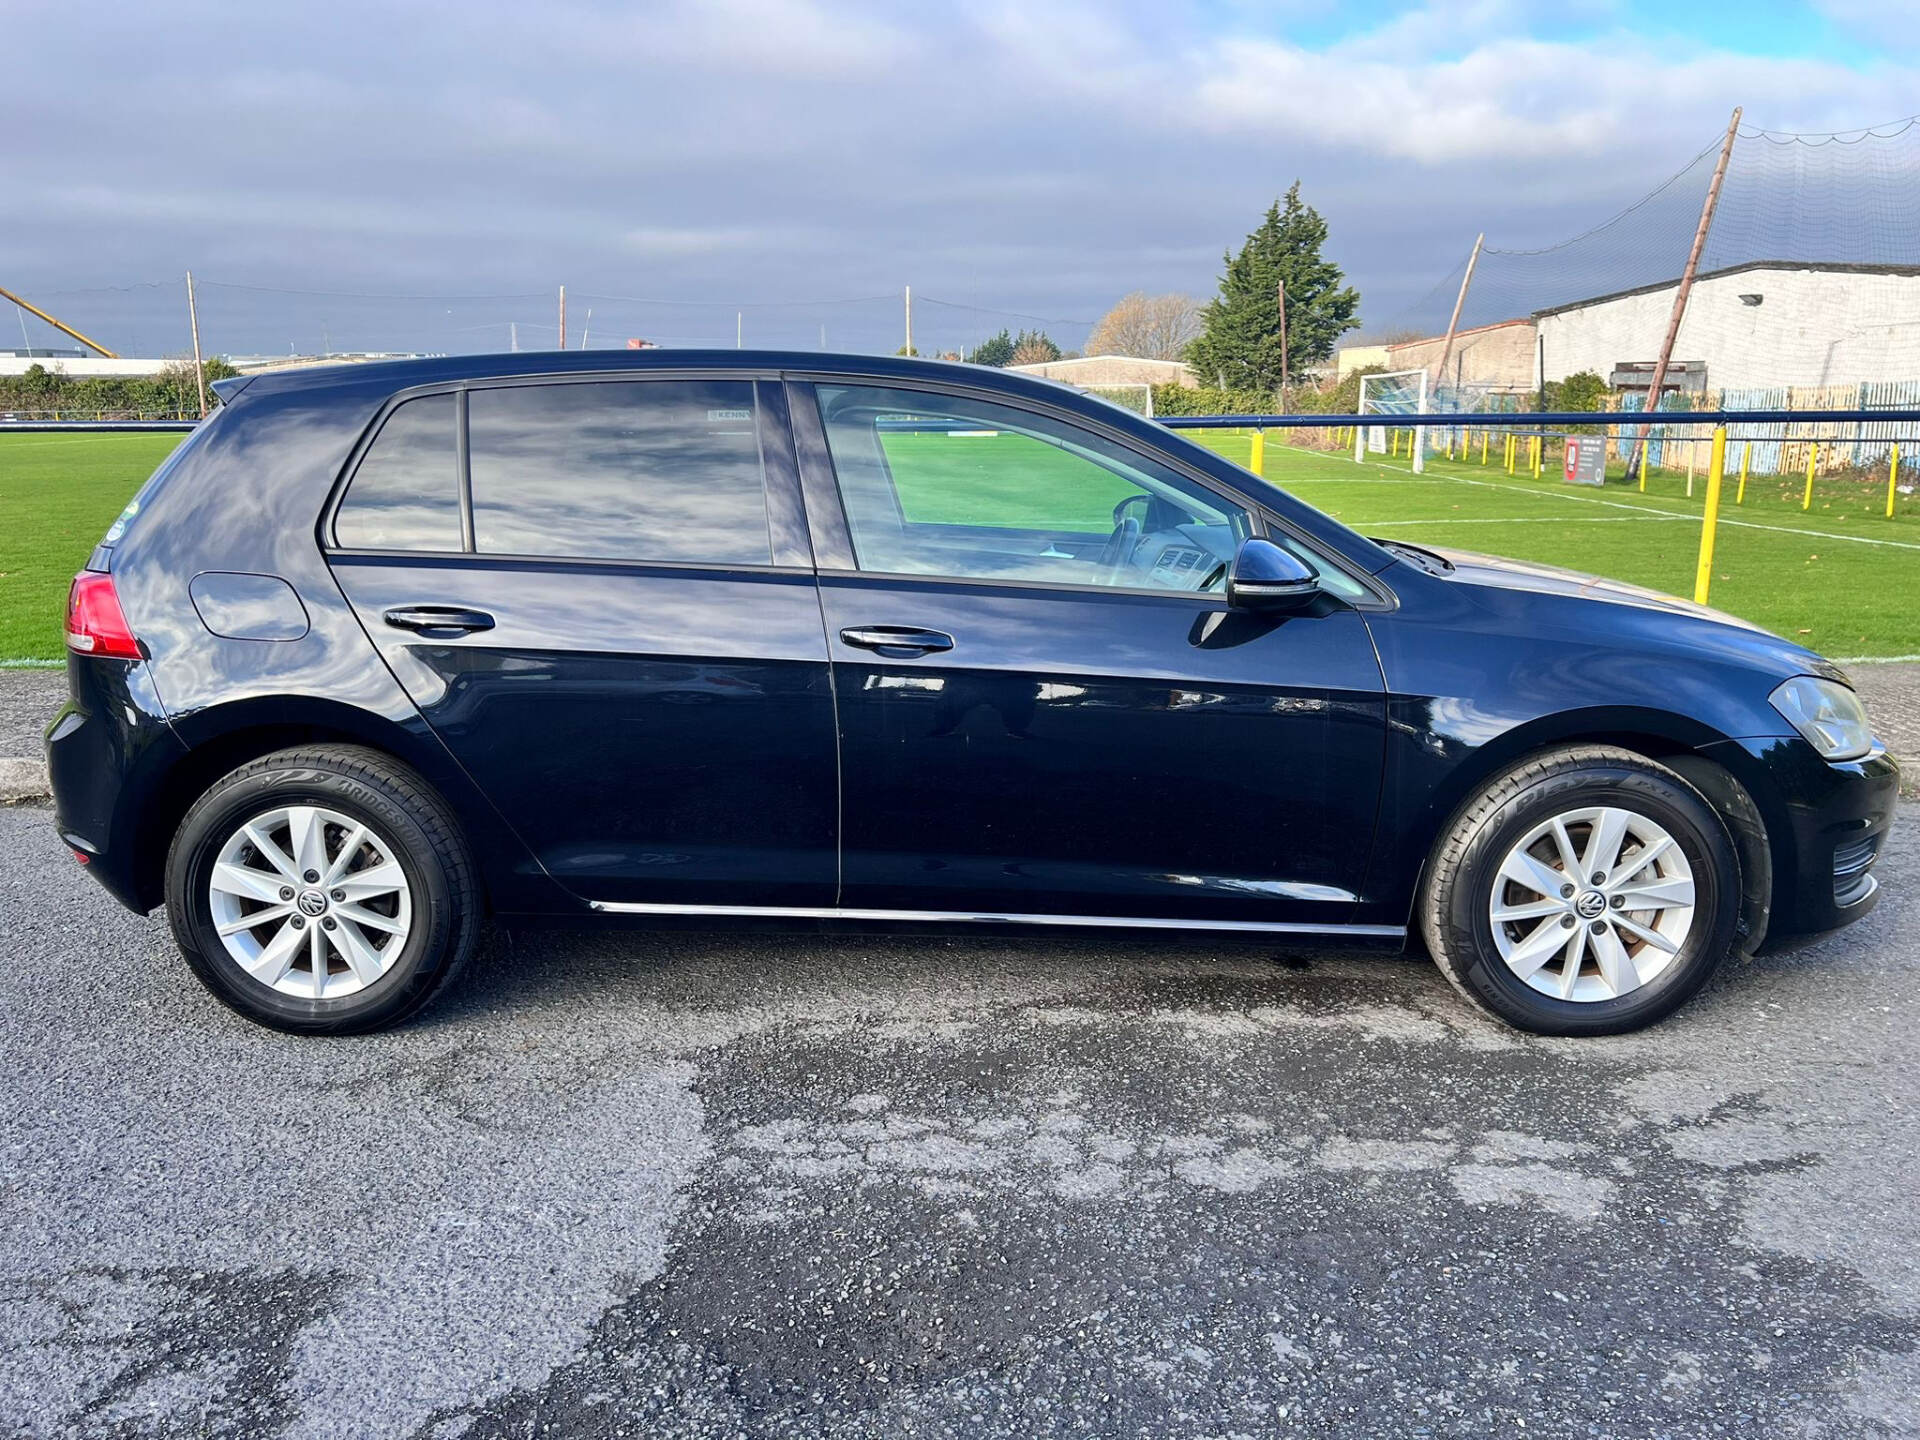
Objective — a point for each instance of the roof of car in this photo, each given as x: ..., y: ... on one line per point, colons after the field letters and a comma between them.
x: 403, y: 374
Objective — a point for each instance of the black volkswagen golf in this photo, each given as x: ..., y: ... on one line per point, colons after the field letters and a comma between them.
x: 382, y: 651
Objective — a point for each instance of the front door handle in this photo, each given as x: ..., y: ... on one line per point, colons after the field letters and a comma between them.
x: 896, y: 641
x: 438, y: 622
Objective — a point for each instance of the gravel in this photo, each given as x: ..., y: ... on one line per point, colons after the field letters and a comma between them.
x: 687, y: 1184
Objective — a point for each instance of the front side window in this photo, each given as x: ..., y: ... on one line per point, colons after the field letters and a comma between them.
x: 406, y: 493
x: 663, y: 470
x: 945, y: 485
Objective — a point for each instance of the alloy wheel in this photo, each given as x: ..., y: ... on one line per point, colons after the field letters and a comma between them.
x: 1592, y: 904
x: 310, y: 902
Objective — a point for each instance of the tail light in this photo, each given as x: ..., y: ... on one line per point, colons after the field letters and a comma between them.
x: 95, y: 623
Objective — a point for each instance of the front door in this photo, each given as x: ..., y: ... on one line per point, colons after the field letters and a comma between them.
x: 608, y: 615
x: 1045, y: 705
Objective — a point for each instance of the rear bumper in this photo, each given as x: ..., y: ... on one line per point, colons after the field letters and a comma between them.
x: 108, y: 750
x: 1827, y: 826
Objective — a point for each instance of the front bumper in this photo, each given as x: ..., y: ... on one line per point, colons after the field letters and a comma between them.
x: 1827, y: 826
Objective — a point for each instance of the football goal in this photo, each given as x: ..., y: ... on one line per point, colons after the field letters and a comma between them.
x: 1398, y: 392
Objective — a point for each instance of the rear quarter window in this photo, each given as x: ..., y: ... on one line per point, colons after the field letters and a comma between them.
x: 405, y: 495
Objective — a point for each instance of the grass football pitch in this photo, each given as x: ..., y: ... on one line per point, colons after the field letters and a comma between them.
x: 1841, y: 577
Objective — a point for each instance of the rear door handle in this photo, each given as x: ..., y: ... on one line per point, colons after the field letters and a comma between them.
x: 896, y: 641
x: 438, y: 621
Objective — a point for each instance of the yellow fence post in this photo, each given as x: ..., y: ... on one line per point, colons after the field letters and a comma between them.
x: 1716, y: 464
x: 1893, y: 479
x: 1257, y: 455
x: 1539, y: 455
x: 1483, y: 445
x: 1813, y: 459
x: 1740, y: 495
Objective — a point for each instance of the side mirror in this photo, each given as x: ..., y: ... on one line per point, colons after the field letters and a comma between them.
x: 1266, y: 577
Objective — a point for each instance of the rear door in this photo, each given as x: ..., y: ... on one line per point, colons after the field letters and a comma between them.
x: 599, y: 593
x: 1046, y: 706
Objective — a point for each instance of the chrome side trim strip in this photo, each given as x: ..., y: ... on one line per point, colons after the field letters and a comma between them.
x: 971, y: 917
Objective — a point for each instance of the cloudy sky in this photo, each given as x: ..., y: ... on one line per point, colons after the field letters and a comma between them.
x: 751, y: 161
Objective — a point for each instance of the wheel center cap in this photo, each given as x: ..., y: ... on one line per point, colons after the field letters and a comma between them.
x: 313, y: 902
x: 1590, y: 906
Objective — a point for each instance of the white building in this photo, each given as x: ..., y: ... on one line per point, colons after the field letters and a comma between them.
x: 82, y: 367
x: 1094, y: 371
x: 1766, y: 324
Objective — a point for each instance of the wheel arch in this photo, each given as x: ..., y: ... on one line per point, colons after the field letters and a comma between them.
x: 220, y: 739
x: 1655, y: 734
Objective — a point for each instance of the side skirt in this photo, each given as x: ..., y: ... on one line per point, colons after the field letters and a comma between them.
x: 973, y: 917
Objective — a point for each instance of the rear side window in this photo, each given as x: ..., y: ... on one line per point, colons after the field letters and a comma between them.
x: 619, y: 470
x: 406, y: 493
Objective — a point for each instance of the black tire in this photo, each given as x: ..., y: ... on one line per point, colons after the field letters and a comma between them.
x: 1453, y: 906
x: 396, y: 803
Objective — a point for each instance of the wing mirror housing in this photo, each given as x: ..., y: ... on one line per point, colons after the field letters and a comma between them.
x: 1266, y: 577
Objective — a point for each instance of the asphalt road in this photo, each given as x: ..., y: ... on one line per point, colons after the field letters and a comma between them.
x: 691, y: 1184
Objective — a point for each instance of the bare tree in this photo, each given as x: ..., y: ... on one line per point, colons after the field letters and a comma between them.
x: 1154, y: 327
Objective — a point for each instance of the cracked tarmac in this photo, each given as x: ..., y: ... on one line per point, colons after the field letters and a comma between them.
x: 689, y: 1184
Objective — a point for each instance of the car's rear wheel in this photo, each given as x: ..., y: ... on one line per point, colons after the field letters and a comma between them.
x: 323, y: 890
x: 1589, y: 891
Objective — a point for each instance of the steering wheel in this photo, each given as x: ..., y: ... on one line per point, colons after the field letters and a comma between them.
x: 1126, y: 535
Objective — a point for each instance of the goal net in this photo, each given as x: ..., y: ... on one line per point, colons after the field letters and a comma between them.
x: 1397, y: 392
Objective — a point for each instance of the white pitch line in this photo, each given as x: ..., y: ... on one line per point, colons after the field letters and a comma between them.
x: 1523, y: 520
x: 1644, y: 511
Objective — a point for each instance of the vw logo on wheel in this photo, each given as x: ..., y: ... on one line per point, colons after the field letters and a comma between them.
x: 312, y: 902
x: 1591, y: 906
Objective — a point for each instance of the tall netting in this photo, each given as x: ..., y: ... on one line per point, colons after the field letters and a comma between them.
x: 1849, y: 198
x: 1808, y: 296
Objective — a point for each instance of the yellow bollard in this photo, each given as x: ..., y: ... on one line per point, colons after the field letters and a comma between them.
x: 1539, y: 455
x: 1483, y: 445
x: 1813, y: 459
x: 1257, y: 455
x: 1740, y: 495
x: 1893, y: 479
x: 1716, y: 463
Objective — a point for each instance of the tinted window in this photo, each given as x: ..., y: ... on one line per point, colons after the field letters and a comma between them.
x: 944, y: 485
x: 640, y: 470
x: 406, y: 493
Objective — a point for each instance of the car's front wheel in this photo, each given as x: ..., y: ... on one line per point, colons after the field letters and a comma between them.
x: 1588, y: 891
x: 322, y: 890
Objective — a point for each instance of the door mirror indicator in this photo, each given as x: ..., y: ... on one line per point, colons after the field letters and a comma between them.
x: 1266, y: 577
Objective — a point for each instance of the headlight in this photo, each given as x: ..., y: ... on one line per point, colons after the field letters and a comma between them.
x: 1828, y: 714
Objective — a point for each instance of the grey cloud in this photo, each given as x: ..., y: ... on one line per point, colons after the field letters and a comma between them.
x: 1001, y: 156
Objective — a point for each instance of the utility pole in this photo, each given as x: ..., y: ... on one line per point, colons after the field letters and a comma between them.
x: 199, y: 372
x: 909, y: 322
x: 563, y: 317
x: 1283, y: 344
x: 586, y: 327
x: 1459, y: 303
x: 1686, y: 281
x: 513, y: 335
x: 823, y: 337
x: 739, y: 328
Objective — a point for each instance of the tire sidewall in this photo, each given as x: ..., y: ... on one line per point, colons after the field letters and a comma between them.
x: 1669, y: 802
x: 212, y: 821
